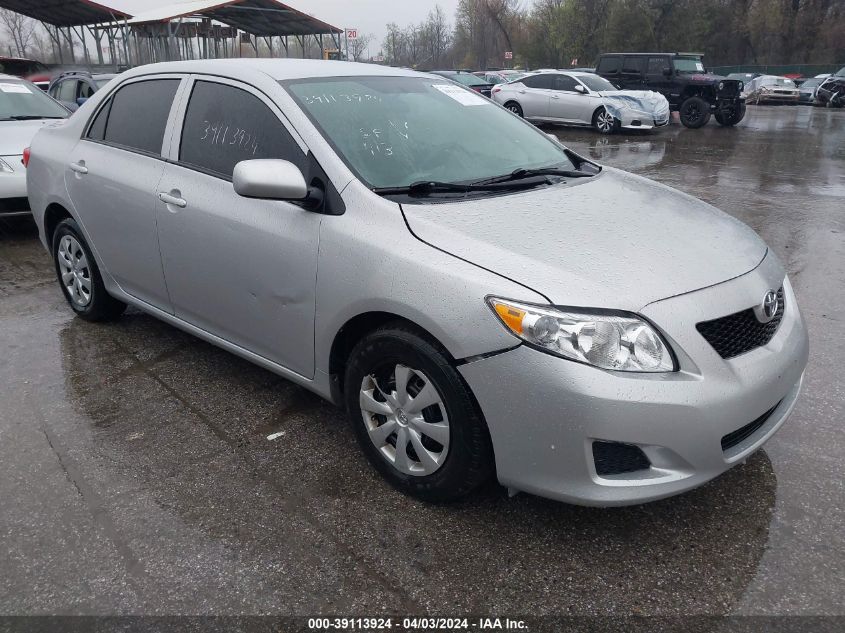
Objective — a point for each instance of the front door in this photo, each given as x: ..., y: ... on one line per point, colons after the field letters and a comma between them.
x: 242, y: 269
x: 112, y: 178
x: 568, y: 105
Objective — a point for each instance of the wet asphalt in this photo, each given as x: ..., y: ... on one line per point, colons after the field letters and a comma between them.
x: 136, y: 476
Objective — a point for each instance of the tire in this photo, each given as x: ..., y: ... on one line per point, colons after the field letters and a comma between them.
x: 79, y: 277
x: 736, y: 115
x: 457, y: 457
x: 694, y: 113
x: 604, y: 122
x: 514, y: 107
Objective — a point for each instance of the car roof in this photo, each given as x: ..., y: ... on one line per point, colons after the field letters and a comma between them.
x: 278, y: 69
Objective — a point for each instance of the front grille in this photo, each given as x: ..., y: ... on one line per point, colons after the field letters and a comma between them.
x: 741, y: 332
x: 732, y: 439
x: 613, y: 458
x: 8, y: 205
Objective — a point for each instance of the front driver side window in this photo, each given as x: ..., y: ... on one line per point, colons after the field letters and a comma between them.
x: 225, y: 125
x: 564, y: 82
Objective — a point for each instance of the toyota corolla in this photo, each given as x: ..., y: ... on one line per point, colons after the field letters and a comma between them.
x: 481, y: 300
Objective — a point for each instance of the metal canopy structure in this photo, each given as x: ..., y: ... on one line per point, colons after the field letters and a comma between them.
x: 64, y: 13
x: 184, y: 29
x: 263, y: 18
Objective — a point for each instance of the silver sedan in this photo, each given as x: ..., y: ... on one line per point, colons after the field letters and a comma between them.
x: 481, y: 300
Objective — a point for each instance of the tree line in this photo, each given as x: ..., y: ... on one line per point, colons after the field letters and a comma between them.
x: 561, y: 33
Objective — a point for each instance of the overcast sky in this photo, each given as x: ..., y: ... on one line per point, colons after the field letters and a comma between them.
x: 368, y: 16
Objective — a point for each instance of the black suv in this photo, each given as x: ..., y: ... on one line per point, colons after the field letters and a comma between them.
x: 682, y: 79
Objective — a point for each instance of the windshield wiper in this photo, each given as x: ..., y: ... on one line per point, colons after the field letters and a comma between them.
x: 520, y: 174
x: 426, y: 187
x: 29, y: 117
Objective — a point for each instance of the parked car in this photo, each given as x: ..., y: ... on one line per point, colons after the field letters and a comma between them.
x: 831, y: 92
x: 29, y: 69
x: 682, y: 78
x: 75, y: 87
x: 807, y: 90
x: 772, y: 89
x: 579, y: 98
x: 494, y: 77
x: 479, y: 298
x: 466, y: 78
x: 24, y: 109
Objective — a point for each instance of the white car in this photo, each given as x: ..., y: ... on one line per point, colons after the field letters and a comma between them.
x: 24, y: 109
x: 582, y: 98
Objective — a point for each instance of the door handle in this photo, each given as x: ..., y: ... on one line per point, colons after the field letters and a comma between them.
x: 555, y: 97
x: 522, y: 92
x: 79, y: 167
x: 168, y: 198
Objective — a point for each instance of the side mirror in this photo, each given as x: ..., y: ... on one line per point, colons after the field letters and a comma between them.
x: 269, y: 179
x: 580, y: 89
x: 667, y: 71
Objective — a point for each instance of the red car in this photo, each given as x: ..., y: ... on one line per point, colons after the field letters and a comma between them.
x: 29, y: 69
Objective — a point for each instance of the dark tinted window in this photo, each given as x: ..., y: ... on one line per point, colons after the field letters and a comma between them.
x: 97, y: 131
x: 633, y: 65
x: 538, y: 81
x: 609, y: 65
x: 225, y: 125
x: 657, y: 64
x: 138, y: 115
x: 564, y: 82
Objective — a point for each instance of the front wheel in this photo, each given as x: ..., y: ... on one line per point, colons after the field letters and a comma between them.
x: 605, y: 122
x: 79, y: 276
x: 514, y: 107
x: 414, y: 417
x: 694, y: 113
x: 731, y: 117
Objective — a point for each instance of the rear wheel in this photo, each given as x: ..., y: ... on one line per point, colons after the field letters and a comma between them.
x: 694, y: 113
x: 414, y: 417
x: 79, y: 276
x: 514, y: 107
x: 605, y: 122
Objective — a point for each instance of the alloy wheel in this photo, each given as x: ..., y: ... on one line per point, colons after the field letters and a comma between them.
x: 75, y: 271
x: 604, y: 121
x: 406, y: 419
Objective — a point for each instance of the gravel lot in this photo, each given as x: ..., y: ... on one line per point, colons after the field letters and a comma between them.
x: 136, y: 476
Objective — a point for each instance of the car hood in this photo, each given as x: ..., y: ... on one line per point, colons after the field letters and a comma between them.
x: 15, y: 136
x: 614, y: 241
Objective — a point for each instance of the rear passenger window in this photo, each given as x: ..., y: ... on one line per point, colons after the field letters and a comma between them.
x: 136, y: 116
x: 633, y: 65
x: 539, y: 81
x: 225, y: 125
x: 609, y: 65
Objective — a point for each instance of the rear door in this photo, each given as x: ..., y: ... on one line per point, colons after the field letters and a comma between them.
x: 112, y: 178
x: 534, y: 96
x: 632, y: 76
x: 242, y: 269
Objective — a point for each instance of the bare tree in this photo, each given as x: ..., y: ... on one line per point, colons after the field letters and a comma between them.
x: 18, y: 27
x: 359, y: 45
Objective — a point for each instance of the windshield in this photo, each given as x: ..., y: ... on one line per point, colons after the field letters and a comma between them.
x: 21, y: 99
x: 21, y: 67
x: 689, y: 65
x: 777, y: 81
x: 395, y: 131
x: 467, y: 79
x: 596, y: 83
x: 811, y: 83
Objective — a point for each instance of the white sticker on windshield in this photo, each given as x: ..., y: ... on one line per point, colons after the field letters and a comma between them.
x: 462, y: 96
x: 15, y: 88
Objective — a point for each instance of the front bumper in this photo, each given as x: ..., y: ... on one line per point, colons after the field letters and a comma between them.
x: 13, y: 200
x: 544, y: 412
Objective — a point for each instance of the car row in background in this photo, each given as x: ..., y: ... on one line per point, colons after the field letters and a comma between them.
x: 582, y: 99
x: 75, y: 87
x: 24, y: 109
x: 468, y: 79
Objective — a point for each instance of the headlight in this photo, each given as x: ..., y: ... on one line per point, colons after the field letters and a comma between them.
x: 620, y: 342
x: 741, y: 86
x: 721, y: 85
x: 6, y: 167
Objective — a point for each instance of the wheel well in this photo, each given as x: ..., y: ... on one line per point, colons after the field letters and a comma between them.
x: 353, y: 331
x: 54, y: 214
x: 696, y: 91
